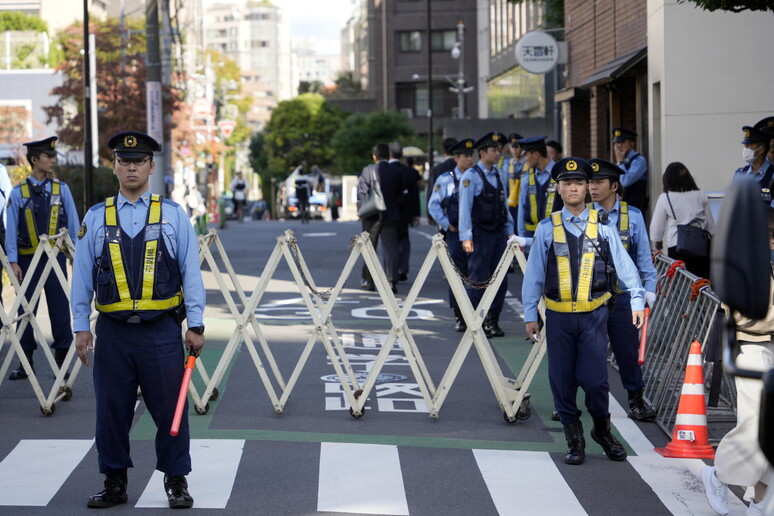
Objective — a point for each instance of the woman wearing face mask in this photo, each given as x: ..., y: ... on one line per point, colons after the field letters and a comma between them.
x: 681, y: 203
x: 756, y: 147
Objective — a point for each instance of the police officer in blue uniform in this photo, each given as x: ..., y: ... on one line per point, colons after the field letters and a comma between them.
x: 444, y: 208
x: 630, y: 225
x: 537, y: 196
x: 485, y: 224
x: 766, y: 126
x: 756, y: 146
x: 41, y: 205
x: 570, y: 264
x: 514, y: 168
x: 137, y: 258
x: 634, y: 166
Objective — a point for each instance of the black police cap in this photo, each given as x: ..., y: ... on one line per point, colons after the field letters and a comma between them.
x: 571, y: 168
x: 514, y: 138
x: 753, y: 135
x: 621, y: 134
x: 48, y: 146
x: 766, y: 125
x: 603, y: 168
x: 492, y: 139
x: 464, y: 146
x: 133, y: 144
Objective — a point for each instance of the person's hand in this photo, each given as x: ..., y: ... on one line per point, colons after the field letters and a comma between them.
x: 467, y: 246
x: 638, y: 318
x: 519, y: 241
x: 453, y: 228
x: 194, y: 342
x: 430, y: 221
x: 650, y: 299
x: 620, y: 155
x: 84, y: 342
x: 17, y: 272
x: 415, y: 222
x: 659, y: 245
x: 533, y: 331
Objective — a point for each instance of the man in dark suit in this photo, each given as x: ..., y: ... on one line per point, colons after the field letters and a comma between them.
x: 408, y: 206
x: 446, y: 166
x: 372, y: 224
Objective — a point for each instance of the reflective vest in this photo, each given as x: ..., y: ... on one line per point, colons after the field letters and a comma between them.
x: 451, y: 204
x: 38, y: 213
x: 151, y: 285
x: 488, y: 211
x: 576, y: 275
x: 539, y: 196
x: 514, y: 182
x: 624, y: 230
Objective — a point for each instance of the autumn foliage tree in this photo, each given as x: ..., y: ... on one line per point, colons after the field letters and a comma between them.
x: 120, y: 83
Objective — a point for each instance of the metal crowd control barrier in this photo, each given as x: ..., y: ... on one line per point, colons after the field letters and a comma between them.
x: 685, y: 311
x: 49, y: 246
x: 510, y: 393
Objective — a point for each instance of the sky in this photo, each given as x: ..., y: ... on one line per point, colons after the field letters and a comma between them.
x: 319, y: 20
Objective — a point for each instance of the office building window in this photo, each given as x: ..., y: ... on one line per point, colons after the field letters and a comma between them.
x: 443, y: 40
x: 410, y: 41
x: 517, y: 94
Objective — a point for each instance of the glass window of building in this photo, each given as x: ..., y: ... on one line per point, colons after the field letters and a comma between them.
x: 443, y: 40
x: 410, y: 41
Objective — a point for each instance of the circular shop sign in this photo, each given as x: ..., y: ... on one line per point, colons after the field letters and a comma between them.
x: 537, y: 52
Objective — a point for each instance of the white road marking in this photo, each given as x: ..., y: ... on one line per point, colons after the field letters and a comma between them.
x: 214, y: 464
x: 534, y: 475
x: 35, y: 470
x: 318, y: 234
x: 361, y: 478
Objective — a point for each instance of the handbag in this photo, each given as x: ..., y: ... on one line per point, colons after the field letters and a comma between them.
x: 373, y: 203
x: 692, y: 239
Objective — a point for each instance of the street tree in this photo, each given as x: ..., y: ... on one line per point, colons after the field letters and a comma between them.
x: 310, y: 87
x: 121, y: 79
x: 353, y: 143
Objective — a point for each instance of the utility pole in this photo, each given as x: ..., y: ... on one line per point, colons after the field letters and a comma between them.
x: 166, y: 67
x: 429, y: 85
x: 88, y: 172
x: 155, y: 123
x: 458, y: 86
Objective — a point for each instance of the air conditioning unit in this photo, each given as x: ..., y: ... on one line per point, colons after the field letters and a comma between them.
x: 408, y: 112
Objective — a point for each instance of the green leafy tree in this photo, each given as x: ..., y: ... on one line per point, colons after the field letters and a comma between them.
x: 120, y: 89
x: 354, y: 142
x: 300, y: 129
x: 733, y: 5
x: 553, y: 13
x: 16, y: 20
x: 259, y: 162
x: 310, y: 87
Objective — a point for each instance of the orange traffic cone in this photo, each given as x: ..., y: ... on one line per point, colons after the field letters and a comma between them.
x: 689, y: 437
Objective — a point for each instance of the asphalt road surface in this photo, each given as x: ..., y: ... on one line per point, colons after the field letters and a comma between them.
x: 314, y: 457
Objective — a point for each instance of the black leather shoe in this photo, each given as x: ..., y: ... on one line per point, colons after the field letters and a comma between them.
x: 576, y: 444
x: 494, y: 326
x: 113, y: 494
x: 601, y: 434
x: 366, y: 285
x: 19, y: 373
x: 176, y: 487
x: 59, y: 358
x: 402, y: 276
x: 460, y: 325
x: 394, y: 287
x: 638, y: 409
x: 555, y: 416
x: 486, y: 326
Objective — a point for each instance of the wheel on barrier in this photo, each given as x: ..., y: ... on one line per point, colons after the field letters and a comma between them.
x: 214, y: 395
x: 523, y: 413
x: 68, y: 393
x: 434, y: 416
x: 357, y: 395
x: 49, y: 411
x: 509, y: 419
x: 203, y: 410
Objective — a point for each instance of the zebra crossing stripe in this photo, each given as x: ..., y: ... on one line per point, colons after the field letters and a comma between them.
x: 214, y: 464
x: 361, y: 478
x: 547, y: 491
x: 35, y: 470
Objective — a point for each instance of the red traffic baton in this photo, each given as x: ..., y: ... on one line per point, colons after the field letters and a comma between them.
x: 643, y: 337
x: 189, y: 366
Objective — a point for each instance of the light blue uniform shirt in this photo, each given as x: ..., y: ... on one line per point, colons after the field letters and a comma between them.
x: 15, y: 202
x: 637, y: 168
x: 542, y: 177
x: 747, y: 171
x: 178, y: 235
x: 5, y: 191
x: 638, y: 235
x: 474, y: 187
x: 535, y: 276
x: 444, y: 188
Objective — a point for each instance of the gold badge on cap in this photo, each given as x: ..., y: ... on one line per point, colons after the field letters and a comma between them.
x: 130, y: 141
x: 466, y: 183
x: 617, y: 133
x: 495, y: 137
x: 746, y: 133
x: 468, y: 144
x: 572, y: 165
x: 595, y: 167
x: 82, y: 231
x: 770, y: 123
x: 53, y: 144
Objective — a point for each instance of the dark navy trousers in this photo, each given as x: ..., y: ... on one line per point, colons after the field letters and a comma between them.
x: 625, y: 342
x: 149, y: 355
x: 577, y: 357
x: 459, y: 257
x: 488, y: 248
x: 58, y: 304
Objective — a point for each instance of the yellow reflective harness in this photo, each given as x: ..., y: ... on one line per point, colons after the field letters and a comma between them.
x: 514, y: 183
x: 53, y: 220
x: 533, y: 203
x: 146, y: 301
x: 582, y: 301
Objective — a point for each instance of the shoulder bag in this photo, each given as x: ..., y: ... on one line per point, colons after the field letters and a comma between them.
x: 373, y: 204
x: 692, y: 239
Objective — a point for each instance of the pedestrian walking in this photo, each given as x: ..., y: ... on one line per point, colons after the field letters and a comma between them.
x: 371, y: 224
x: 40, y: 205
x: 408, y: 206
x: 137, y: 258
x: 569, y: 264
x: 634, y: 166
x: 303, y: 194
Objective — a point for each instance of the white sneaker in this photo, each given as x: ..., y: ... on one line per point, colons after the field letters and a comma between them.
x: 755, y: 509
x: 716, y: 491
